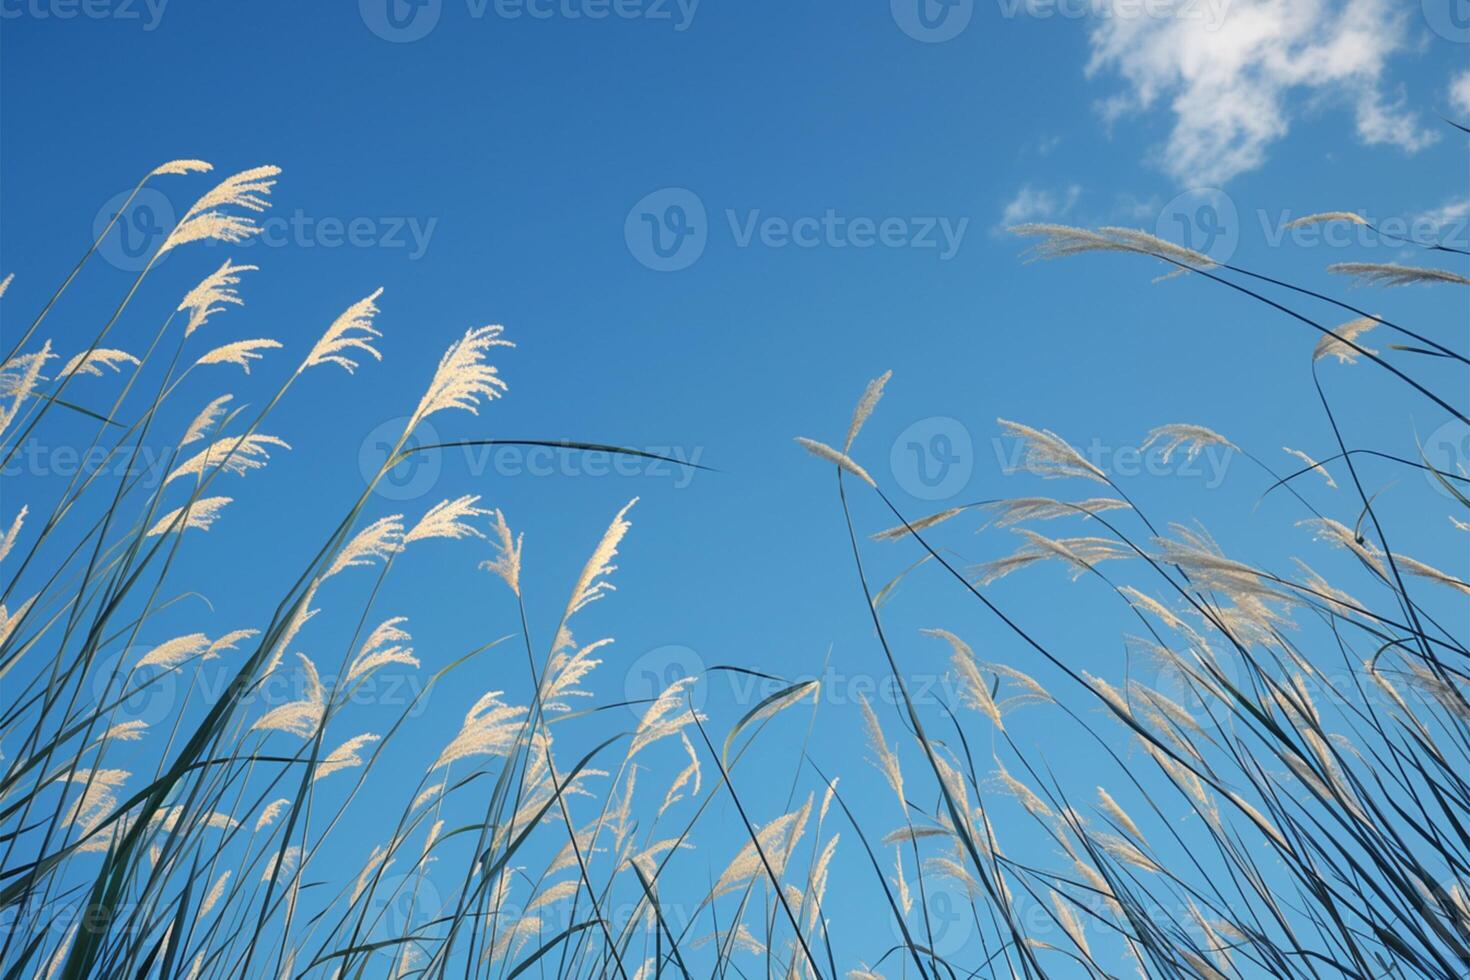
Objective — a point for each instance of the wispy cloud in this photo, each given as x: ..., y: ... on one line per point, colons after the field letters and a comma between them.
x: 1229, y: 80
x: 1460, y: 92
x: 1038, y: 203
x: 1448, y: 216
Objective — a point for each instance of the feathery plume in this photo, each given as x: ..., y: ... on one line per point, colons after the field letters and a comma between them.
x: 1117, y: 813
x: 199, y: 515
x: 270, y: 813
x: 181, y: 167
x: 234, y: 454
x: 382, y: 538
x: 1019, y: 509
x: 240, y: 352
x: 566, y: 670
x: 1312, y: 464
x: 18, y: 379
x: 1194, y: 438
x: 1323, y: 218
x: 344, y: 756
x: 205, y: 420
x: 214, y: 292
x: 1070, y: 924
x: 922, y: 524
x: 446, y: 519
x: 353, y: 330
x: 387, y: 644
x: 1339, y: 343
x: 302, y: 717
x: 865, y: 406
x: 1152, y: 244
x: 93, y: 361
x: 285, y: 860
x: 974, y: 690
x: 176, y: 651
x: 1064, y: 241
x: 228, y: 642
x: 489, y: 728
x: 125, y: 731
x: 592, y: 584
x: 1049, y: 456
x: 1080, y: 554
x: 463, y: 378
x: 823, y: 451
x: 9, y: 620
x: 1389, y: 274
x: 668, y: 714
x: 507, y: 562
x: 206, y: 219
x: 8, y: 539
x: 690, y: 773
x: 1335, y: 532
x: 776, y: 841
x: 1415, y: 567
x: 215, y: 892
x: 887, y: 760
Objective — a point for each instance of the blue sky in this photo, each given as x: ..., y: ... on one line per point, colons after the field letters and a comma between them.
x: 829, y: 182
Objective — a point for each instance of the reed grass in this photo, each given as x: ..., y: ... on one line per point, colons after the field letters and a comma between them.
x: 1252, y: 817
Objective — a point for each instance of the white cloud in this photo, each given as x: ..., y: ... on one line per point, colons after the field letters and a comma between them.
x: 1039, y: 204
x: 1229, y: 72
x: 1449, y: 216
x: 1460, y: 92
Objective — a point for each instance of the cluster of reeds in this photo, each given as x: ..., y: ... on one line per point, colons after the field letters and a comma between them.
x: 1262, y: 822
x: 200, y: 844
x: 1291, y: 779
